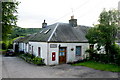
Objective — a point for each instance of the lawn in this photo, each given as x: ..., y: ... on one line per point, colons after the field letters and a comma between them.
x: 99, y: 66
x: 2, y: 50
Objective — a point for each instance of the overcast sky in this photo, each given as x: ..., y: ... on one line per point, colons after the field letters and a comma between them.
x: 31, y: 13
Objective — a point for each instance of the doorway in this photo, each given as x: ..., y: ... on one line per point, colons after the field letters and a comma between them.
x: 62, y: 55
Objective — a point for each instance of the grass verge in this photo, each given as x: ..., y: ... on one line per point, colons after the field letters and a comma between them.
x: 2, y: 50
x: 99, y: 66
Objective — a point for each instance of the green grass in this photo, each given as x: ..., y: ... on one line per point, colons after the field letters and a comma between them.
x: 99, y: 66
x: 2, y: 50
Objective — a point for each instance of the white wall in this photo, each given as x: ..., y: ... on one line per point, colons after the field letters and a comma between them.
x: 14, y: 46
x: 43, y: 46
x: 102, y: 51
x: 71, y: 57
x: 45, y: 51
x: 26, y: 47
x: 21, y: 46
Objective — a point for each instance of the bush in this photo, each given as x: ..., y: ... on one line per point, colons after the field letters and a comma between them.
x: 10, y: 46
x: 91, y: 53
x: 32, y: 59
x: 4, y: 46
x: 113, y: 57
x: 37, y: 60
x: 115, y: 49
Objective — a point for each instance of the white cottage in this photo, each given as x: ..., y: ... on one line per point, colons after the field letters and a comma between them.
x: 60, y: 42
x: 21, y: 44
x: 26, y: 42
x: 18, y: 44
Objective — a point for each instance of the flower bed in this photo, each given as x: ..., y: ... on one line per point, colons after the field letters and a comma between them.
x: 32, y: 59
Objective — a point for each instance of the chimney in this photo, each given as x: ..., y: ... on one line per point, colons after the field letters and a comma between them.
x: 44, y: 24
x: 73, y: 22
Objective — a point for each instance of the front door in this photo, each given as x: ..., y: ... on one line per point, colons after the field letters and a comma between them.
x: 62, y: 55
x: 16, y: 48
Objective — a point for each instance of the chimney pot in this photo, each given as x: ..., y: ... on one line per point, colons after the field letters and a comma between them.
x: 44, y: 24
x: 73, y: 22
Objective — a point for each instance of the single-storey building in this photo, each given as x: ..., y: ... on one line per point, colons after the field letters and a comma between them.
x: 26, y: 42
x: 18, y: 44
x: 60, y: 42
x: 21, y: 44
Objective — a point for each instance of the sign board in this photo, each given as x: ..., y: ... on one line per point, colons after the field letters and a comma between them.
x: 53, y: 45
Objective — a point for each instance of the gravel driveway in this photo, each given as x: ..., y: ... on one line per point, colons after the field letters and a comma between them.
x: 14, y: 67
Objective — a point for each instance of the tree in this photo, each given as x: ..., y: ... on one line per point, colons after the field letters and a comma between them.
x: 104, y: 33
x: 9, y: 18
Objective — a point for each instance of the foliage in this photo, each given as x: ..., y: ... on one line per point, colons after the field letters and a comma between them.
x: 104, y: 34
x: 37, y: 60
x: 32, y: 59
x: 99, y: 66
x: 91, y: 52
x: 113, y: 58
x: 17, y: 31
x: 4, y: 46
x: 115, y: 49
x: 9, y: 17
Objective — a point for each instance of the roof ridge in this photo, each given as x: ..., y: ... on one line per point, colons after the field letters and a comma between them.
x: 53, y: 32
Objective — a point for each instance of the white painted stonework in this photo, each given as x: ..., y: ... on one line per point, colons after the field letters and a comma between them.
x: 26, y: 47
x: 21, y: 46
x: 71, y: 55
x: 46, y: 51
x: 14, y: 46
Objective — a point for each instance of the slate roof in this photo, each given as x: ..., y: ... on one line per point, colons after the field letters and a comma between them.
x: 19, y: 39
x: 25, y: 39
x: 61, y: 32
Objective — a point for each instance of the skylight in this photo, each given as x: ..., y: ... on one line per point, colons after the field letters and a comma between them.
x: 41, y: 31
x: 47, y: 31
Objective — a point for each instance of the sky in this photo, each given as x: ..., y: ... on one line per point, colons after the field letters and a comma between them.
x: 31, y: 13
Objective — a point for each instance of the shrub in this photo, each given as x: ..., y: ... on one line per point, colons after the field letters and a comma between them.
x: 113, y: 57
x: 32, y: 59
x: 4, y: 46
x: 37, y: 60
x: 91, y: 53
x: 10, y: 46
x: 115, y: 49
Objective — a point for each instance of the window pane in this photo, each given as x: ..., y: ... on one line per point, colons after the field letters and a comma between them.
x: 62, y: 53
x: 78, y: 50
x: 62, y: 49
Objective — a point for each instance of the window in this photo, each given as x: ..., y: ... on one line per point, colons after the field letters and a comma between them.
x: 32, y: 49
x: 39, y: 51
x: 91, y: 46
x: 47, y: 31
x: 78, y: 51
x: 41, y: 31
